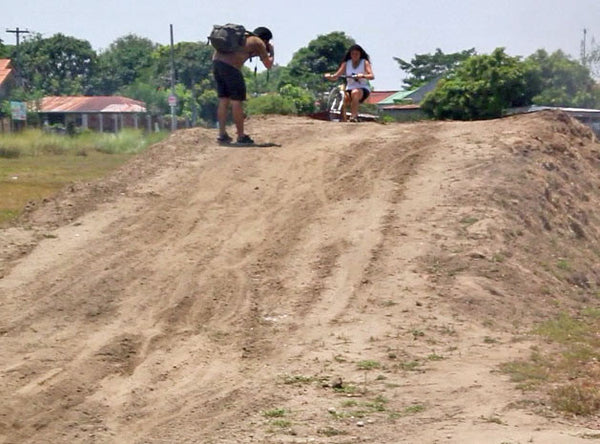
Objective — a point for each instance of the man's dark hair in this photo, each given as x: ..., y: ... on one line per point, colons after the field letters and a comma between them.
x: 263, y: 33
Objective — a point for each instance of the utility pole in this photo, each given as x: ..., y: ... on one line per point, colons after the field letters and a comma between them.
x: 18, y: 33
x: 584, y: 60
x: 173, y: 97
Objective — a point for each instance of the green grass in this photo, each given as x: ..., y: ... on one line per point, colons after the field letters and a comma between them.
x: 274, y: 413
x: 34, y: 165
x: 368, y: 365
x: 414, y: 409
x: 569, y: 374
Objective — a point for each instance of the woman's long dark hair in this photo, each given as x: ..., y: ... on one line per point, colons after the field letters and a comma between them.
x: 363, y: 53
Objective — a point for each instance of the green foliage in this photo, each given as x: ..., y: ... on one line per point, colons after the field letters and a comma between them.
x: 290, y: 100
x: 126, y: 61
x: 264, y: 81
x: 308, y: 64
x: 271, y: 104
x: 482, y: 87
x: 154, y: 98
x: 5, y: 50
x: 193, y: 63
x: 426, y: 67
x: 304, y: 100
x: 564, y: 82
x: 58, y: 65
x: 208, y: 102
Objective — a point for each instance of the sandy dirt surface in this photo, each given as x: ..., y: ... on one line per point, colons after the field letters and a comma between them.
x: 361, y: 283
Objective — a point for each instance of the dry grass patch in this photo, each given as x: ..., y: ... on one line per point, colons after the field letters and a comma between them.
x: 569, y: 375
x: 34, y: 165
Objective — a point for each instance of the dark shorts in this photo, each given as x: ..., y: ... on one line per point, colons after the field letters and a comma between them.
x: 366, y: 94
x: 230, y: 81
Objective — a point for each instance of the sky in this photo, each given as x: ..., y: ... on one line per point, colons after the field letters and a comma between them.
x: 384, y: 28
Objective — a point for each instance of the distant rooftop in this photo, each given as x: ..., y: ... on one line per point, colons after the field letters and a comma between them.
x: 5, y: 69
x: 377, y: 96
x: 90, y: 104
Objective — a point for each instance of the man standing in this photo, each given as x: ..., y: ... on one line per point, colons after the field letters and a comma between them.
x: 231, y: 87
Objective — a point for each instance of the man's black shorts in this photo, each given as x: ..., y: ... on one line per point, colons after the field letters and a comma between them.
x: 230, y: 81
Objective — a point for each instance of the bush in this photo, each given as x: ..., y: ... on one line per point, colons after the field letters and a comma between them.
x: 271, y: 104
x: 482, y: 87
x: 303, y: 99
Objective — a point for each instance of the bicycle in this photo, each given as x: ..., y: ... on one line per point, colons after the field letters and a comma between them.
x: 335, y: 100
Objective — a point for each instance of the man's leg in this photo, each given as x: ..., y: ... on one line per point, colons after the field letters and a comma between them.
x: 237, y: 110
x: 222, y: 114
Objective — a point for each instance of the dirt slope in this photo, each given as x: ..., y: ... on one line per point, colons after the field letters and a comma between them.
x: 363, y: 282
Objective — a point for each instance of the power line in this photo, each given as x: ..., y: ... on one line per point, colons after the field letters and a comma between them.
x: 18, y: 32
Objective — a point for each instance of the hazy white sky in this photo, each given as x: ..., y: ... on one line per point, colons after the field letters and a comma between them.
x: 385, y: 28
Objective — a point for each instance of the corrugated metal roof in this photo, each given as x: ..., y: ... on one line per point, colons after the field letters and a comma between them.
x: 575, y: 112
x: 396, y: 97
x: 5, y: 70
x: 90, y: 104
x: 410, y: 106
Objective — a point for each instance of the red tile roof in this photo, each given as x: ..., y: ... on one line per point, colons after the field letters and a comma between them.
x: 5, y: 70
x: 377, y: 96
x: 90, y: 104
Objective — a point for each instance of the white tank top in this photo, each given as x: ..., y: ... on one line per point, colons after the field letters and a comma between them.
x: 351, y: 70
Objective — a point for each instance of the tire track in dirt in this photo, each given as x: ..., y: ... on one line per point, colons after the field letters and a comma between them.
x: 210, y: 274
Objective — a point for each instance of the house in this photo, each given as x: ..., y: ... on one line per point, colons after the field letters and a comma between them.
x: 7, y: 78
x: 100, y: 113
x: 377, y: 96
x: 404, y: 105
x: 7, y: 83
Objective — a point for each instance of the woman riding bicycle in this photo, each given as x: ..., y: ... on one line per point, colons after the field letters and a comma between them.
x: 356, y: 68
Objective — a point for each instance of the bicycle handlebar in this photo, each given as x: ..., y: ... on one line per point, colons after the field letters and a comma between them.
x: 343, y: 76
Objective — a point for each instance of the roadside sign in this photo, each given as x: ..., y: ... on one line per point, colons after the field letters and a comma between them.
x: 18, y: 110
x: 172, y: 100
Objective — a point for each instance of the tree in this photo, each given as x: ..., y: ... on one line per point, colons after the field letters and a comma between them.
x: 57, y: 65
x: 154, y: 98
x: 4, y: 50
x: 482, y: 87
x: 127, y: 60
x: 264, y: 81
x: 564, y: 81
x: 271, y: 104
x: 303, y: 99
x: 207, y: 103
x: 308, y: 64
x: 425, y: 67
x: 193, y: 75
x: 192, y: 60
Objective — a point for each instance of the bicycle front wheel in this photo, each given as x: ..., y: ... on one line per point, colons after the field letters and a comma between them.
x: 335, y: 102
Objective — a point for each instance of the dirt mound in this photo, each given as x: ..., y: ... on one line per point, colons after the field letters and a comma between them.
x: 343, y: 287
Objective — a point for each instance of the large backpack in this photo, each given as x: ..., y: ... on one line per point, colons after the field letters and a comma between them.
x: 228, y: 38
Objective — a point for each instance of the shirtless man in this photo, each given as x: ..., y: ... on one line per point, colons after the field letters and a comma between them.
x: 231, y: 87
